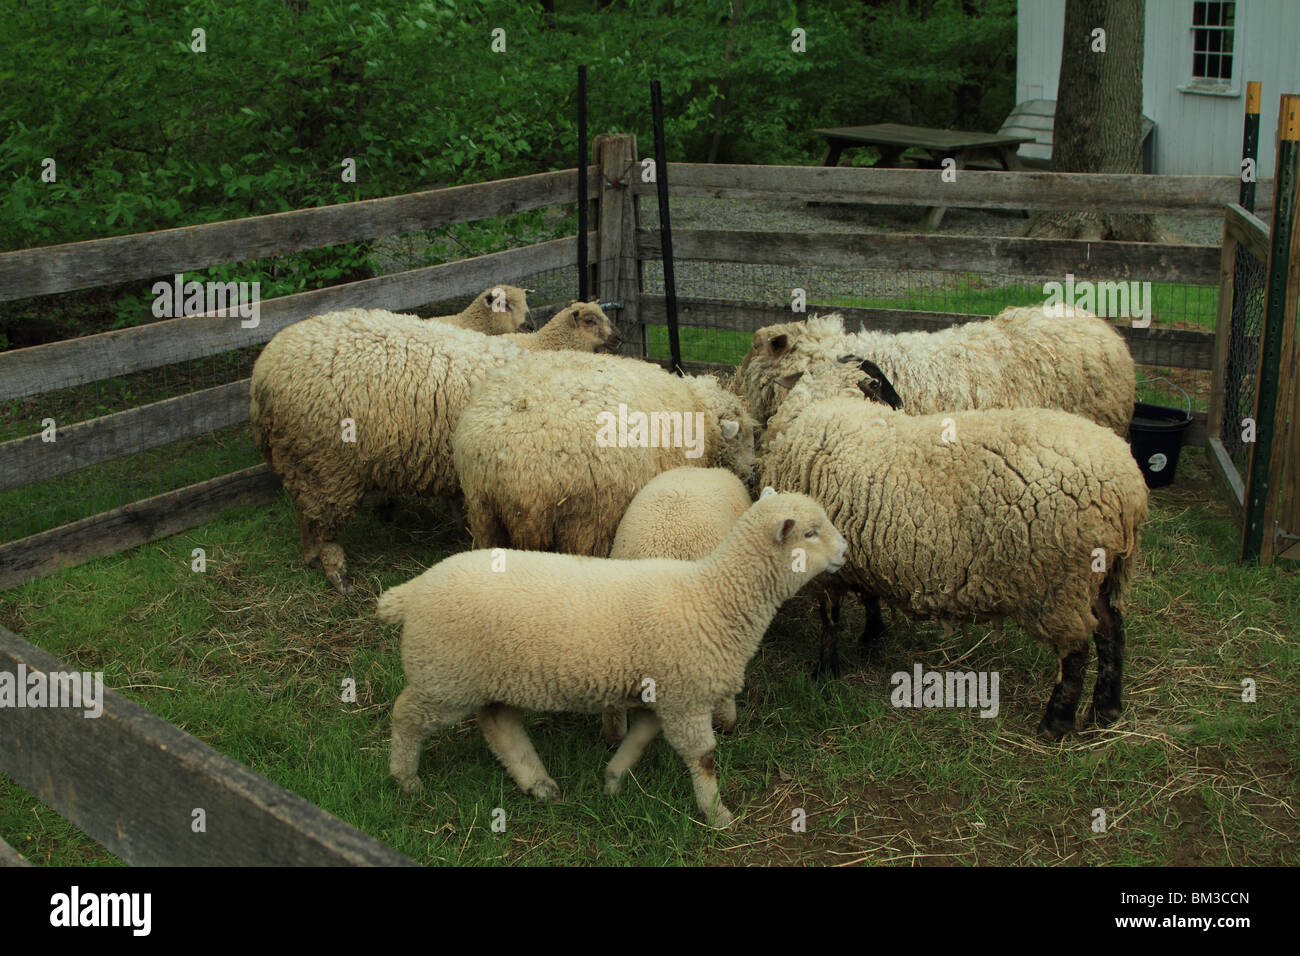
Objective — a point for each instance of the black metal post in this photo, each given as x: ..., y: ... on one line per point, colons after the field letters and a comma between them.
x: 1285, y: 189
x: 584, y: 277
x: 1250, y: 144
x: 665, y: 226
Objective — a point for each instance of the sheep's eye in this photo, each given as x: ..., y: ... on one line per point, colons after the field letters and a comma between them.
x: 810, y: 533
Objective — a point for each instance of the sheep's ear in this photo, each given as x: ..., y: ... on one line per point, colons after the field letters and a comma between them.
x: 783, y: 532
x: 769, y: 490
x: 846, y: 359
x: 730, y: 429
x: 778, y: 345
x: 878, y: 387
x: 789, y: 381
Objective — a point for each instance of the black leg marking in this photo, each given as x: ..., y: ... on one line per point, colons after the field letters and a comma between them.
x: 874, y: 629
x: 828, y: 662
x: 1107, y: 693
x: 1058, y: 720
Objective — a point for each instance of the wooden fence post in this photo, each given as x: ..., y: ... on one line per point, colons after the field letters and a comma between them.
x: 618, y: 277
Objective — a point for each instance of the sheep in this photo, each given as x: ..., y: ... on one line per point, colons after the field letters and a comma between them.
x: 581, y: 320
x: 1023, y: 357
x: 683, y: 514
x: 357, y: 400
x: 499, y: 310
x: 551, y: 450
x: 1027, y: 514
x: 496, y: 632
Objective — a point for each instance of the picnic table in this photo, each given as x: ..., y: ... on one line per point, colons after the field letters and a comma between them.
x: 893, y: 139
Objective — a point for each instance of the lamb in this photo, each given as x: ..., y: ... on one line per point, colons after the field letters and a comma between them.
x: 684, y: 514
x: 582, y: 321
x: 551, y: 451
x: 499, y: 310
x: 496, y: 632
x: 1024, y: 357
x: 365, y: 399
x: 1027, y: 514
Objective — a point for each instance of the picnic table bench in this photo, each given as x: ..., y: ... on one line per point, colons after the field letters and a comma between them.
x: 893, y: 139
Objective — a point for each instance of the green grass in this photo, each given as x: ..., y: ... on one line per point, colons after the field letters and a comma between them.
x: 250, y: 655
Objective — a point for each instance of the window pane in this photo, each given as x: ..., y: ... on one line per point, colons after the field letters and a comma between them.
x: 1212, y: 65
x: 1213, y: 39
x: 1198, y: 64
x: 1198, y: 13
x: 1213, y: 13
x: 1198, y: 41
x: 1225, y: 68
x: 1227, y: 41
x: 1229, y: 14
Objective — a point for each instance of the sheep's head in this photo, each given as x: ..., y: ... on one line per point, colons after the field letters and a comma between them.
x: 736, y: 427
x: 778, y: 351
x: 796, y: 535
x: 585, y: 327
x: 503, y: 309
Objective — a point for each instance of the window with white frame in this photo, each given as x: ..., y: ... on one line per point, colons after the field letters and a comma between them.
x: 1213, y: 25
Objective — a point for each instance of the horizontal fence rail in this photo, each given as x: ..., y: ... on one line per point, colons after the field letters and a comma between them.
x: 82, y: 265
x: 1109, y: 260
x: 134, y: 524
x: 1063, y: 192
x: 132, y: 782
x: 25, y: 460
x: 31, y: 371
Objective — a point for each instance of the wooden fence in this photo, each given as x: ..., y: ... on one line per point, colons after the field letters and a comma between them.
x: 78, y: 779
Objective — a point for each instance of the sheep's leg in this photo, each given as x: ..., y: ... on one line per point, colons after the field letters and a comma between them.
x: 335, y: 565
x: 724, y: 715
x: 692, y: 737
x: 414, y: 720
x: 874, y: 628
x: 1064, y: 702
x: 1107, y: 693
x: 644, y: 728
x: 613, y: 724
x: 828, y: 661
x: 310, y: 543
x: 503, y: 728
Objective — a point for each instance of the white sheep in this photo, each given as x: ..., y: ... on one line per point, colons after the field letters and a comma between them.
x: 684, y: 514
x: 1028, y: 514
x: 363, y: 400
x: 551, y: 450
x: 499, y: 310
x: 1023, y: 357
x: 497, y: 632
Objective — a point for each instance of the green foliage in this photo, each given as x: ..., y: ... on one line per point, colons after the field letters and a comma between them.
x: 147, y: 133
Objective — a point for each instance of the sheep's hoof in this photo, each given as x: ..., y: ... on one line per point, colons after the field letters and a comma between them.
x: 1100, y: 716
x: 1053, y: 730
x: 545, y: 791
x: 341, y: 582
x: 410, y: 785
x: 720, y: 818
x: 826, y: 669
x: 613, y: 783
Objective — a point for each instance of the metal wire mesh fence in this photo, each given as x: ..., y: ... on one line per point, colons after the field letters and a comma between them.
x: 1249, y: 282
x: 721, y: 332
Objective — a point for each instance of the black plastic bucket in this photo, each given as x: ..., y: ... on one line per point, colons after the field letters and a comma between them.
x: 1156, y: 437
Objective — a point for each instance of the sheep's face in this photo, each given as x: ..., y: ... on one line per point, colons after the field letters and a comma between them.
x: 589, y: 327
x: 797, y: 530
x: 738, y: 430
x: 505, y: 308
x: 771, y: 355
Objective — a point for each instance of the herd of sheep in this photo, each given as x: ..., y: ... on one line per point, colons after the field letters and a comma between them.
x: 620, y: 563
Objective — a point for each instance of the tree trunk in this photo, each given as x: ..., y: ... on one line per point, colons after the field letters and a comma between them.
x: 1098, y: 125
x: 720, y: 111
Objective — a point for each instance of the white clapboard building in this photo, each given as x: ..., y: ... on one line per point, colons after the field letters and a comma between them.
x: 1199, y: 56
